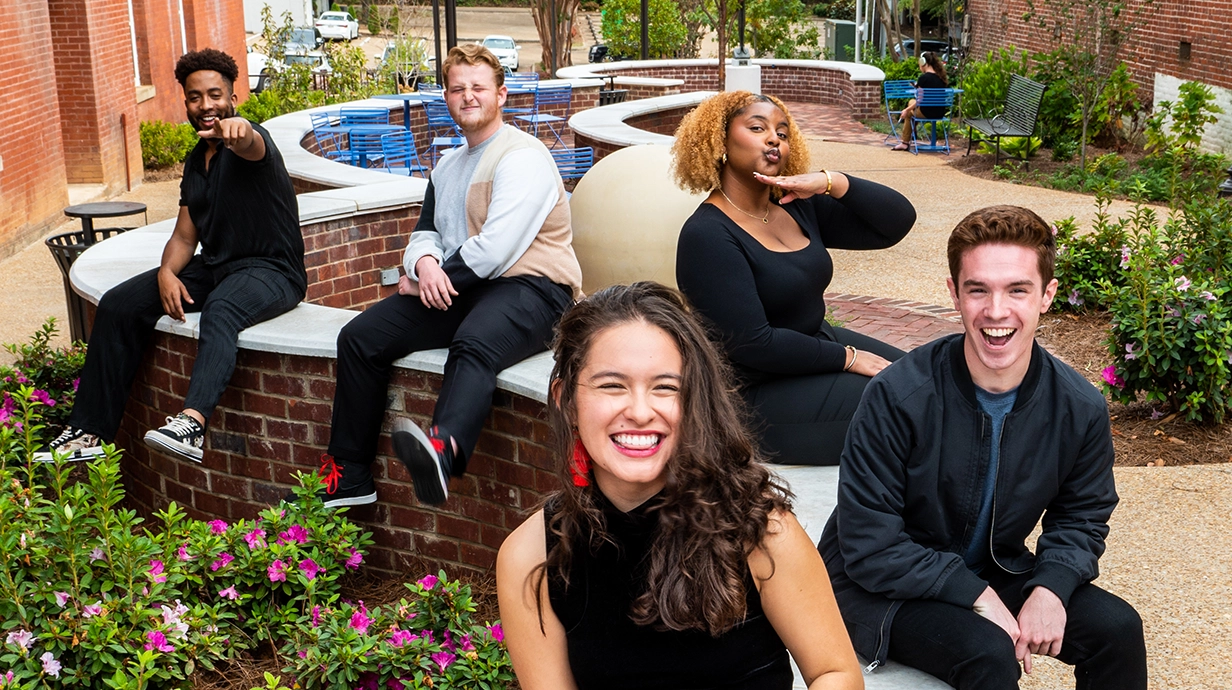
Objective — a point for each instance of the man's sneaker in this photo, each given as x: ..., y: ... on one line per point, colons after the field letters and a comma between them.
x: 74, y: 444
x: 428, y: 457
x: 346, y: 484
x: 182, y: 436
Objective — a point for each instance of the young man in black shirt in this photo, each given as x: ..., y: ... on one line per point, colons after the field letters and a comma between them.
x: 237, y: 202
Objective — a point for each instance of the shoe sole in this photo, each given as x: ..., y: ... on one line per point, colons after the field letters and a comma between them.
x: 351, y: 501
x: 156, y: 440
x: 414, y: 449
x: 75, y: 456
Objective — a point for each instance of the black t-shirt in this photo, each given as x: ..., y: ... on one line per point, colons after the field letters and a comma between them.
x: 245, y: 211
x: 931, y: 80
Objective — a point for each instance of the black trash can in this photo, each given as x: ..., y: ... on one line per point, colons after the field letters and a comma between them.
x: 597, y: 53
x: 610, y: 96
x: 66, y: 247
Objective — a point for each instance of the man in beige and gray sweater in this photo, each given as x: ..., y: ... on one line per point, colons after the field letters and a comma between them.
x: 489, y: 270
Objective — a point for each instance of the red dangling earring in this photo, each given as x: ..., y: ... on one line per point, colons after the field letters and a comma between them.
x: 579, y: 464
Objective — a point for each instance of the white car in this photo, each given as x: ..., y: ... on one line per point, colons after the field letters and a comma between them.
x: 340, y: 26
x: 257, y: 74
x: 504, y: 49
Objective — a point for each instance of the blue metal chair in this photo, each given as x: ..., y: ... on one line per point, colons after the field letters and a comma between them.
x: 443, y: 132
x: 400, y: 155
x: 329, y: 143
x: 573, y: 163
x: 365, y: 147
x: 896, y: 90
x: 364, y: 116
x: 547, y: 97
x: 932, y: 98
x: 523, y: 81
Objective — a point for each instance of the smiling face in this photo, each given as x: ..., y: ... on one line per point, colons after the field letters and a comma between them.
x: 757, y: 140
x: 1000, y: 295
x: 628, y: 410
x: 474, y: 100
x: 208, y: 97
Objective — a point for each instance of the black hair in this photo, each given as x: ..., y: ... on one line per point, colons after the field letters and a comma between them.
x: 206, y: 59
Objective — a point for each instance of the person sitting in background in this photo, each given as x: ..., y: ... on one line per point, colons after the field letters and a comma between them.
x: 237, y: 202
x: 932, y: 76
x: 670, y: 558
x: 758, y: 270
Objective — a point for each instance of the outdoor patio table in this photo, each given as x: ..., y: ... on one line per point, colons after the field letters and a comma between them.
x: 101, y: 209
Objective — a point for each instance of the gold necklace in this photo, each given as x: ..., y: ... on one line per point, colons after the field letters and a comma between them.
x: 764, y: 219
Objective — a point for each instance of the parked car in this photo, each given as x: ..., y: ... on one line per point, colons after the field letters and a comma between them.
x: 258, y: 73
x: 316, y: 61
x: 907, y: 47
x: 505, y: 50
x: 302, y: 41
x: 339, y: 26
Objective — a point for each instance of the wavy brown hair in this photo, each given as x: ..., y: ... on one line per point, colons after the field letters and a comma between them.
x: 701, y: 140
x: 715, y: 507
x: 1004, y: 225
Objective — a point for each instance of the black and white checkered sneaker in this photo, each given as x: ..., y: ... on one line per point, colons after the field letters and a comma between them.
x: 181, y: 436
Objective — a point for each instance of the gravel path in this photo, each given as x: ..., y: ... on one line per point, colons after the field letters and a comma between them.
x: 1169, y: 552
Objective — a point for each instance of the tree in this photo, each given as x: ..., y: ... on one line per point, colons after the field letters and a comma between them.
x: 1092, y: 35
x: 779, y: 29
x: 560, y: 27
x: 623, y: 33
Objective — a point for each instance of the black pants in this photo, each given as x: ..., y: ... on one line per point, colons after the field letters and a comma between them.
x: 1103, y: 641
x: 124, y: 323
x: 490, y: 327
x: 803, y: 420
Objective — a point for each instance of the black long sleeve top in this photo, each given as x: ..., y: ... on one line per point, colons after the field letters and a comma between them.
x: 768, y: 306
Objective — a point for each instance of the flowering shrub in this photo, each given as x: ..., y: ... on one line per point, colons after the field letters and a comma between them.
x: 50, y: 372
x: 428, y: 642
x: 1088, y: 263
x: 1171, y: 333
x: 90, y: 595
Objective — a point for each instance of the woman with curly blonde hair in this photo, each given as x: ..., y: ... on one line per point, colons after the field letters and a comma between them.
x: 753, y: 260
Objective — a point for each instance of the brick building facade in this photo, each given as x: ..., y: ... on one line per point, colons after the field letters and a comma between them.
x: 1174, y: 41
x: 78, y: 77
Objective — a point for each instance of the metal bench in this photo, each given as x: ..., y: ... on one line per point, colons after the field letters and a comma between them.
x: 1017, y: 119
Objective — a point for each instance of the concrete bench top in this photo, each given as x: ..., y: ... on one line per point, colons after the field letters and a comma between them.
x: 854, y: 71
x: 607, y: 123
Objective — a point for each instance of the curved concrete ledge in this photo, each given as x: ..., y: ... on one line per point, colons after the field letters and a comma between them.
x: 607, y: 123
x: 855, y: 71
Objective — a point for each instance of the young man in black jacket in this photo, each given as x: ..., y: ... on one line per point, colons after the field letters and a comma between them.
x: 954, y: 454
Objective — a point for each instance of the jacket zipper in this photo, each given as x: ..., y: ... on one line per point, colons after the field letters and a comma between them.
x: 879, y: 656
x: 992, y: 523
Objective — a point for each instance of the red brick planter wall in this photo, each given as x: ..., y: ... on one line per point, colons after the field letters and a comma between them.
x: 661, y: 122
x: 274, y: 420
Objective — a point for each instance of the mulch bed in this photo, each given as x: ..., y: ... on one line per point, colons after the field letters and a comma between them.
x: 1041, y: 164
x: 1139, y: 440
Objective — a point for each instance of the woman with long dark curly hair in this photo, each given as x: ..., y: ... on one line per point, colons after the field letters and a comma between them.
x: 671, y: 558
x: 753, y: 260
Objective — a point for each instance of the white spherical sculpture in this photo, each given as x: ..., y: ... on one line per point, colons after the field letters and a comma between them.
x: 627, y: 213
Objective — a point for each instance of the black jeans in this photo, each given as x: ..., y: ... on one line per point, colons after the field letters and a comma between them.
x: 490, y: 327
x: 803, y: 420
x: 124, y: 323
x: 1103, y: 641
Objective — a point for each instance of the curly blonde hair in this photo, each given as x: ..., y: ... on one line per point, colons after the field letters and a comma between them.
x: 701, y: 140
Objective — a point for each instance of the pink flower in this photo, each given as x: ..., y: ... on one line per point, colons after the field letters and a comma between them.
x: 443, y: 659
x: 1111, y: 378
x: 76, y: 382
x: 294, y: 533
x: 8, y: 678
x: 353, y: 561
x: 428, y: 581
x: 62, y: 598
x: 156, y: 640
x: 467, y: 646
x: 20, y: 637
x: 1198, y: 319
x: 1075, y: 298
x: 309, y: 568
x: 316, y: 616
x: 1131, y: 351
x: 50, y: 666
x: 1176, y: 260
x: 1182, y: 283
x: 1156, y: 414
x: 1125, y: 257
x: 277, y: 571
x: 182, y: 553
x: 41, y: 396
x: 95, y: 609
x: 360, y: 620
x: 229, y: 593
x: 399, y: 637
x: 1207, y: 295
x: 156, y: 571
x: 497, y: 632
x: 255, y: 539
x: 217, y: 526
x: 224, y: 559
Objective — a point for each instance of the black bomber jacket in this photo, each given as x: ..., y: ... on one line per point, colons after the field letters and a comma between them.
x: 912, y: 476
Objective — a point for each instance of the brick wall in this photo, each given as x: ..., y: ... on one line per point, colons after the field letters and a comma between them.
x: 93, y: 57
x: 344, y: 258
x: 32, y: 182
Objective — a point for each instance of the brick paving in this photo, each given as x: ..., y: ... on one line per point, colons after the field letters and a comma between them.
x: 832, y: 123
x: 901, y: 323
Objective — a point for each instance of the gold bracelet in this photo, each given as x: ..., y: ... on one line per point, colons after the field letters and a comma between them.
x: 829, y: 182
x: 854, y: 354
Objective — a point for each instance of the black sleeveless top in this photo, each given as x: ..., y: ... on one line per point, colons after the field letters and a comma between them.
x: 607, y: 650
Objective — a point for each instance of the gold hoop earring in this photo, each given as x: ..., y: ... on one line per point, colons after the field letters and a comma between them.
x: 723, y: 160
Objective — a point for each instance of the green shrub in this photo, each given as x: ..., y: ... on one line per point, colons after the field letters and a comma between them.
x: 621, y: 27
x: 835, y: 9
x: 1064, y: 150
x: 51, y: 373
x: 1088, y: 264
x: 374, y: 21
x: 1021, y: 148
x: 779, y: 29
x: 164, y: 144
x: 986, y: 82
